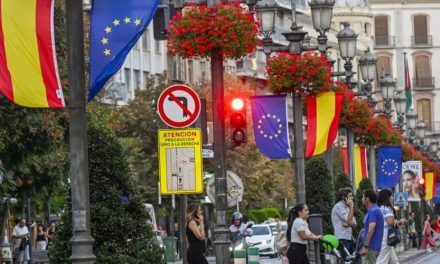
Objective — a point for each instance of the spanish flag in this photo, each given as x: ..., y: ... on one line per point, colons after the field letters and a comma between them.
x: 323, y: 112
x: 429, y: 183
x: 360, y: 163
x: 28, y: 68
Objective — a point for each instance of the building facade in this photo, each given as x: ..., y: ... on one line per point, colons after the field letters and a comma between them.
x: 409, y: 27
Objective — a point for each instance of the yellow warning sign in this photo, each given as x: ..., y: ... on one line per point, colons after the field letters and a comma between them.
x: 180, y: 161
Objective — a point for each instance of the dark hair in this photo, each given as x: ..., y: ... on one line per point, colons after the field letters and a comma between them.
x: 410, y: 172
x: 343, y: 192
x: 383, y: 199
x: 371, y: 194
x: 191, y: 210
x: 426, y: 216
x: 293, y: 213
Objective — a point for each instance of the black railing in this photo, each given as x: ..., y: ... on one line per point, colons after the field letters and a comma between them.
x: 424, y: 41
x: 424, y: 83
x: 384, y: 41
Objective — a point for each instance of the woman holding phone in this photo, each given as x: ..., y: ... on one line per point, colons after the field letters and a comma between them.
x: 195, y: 233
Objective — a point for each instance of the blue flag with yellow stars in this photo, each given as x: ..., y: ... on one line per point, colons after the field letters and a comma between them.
x: 269, y: 115
x: 389, y: 166
x: 115, y: 27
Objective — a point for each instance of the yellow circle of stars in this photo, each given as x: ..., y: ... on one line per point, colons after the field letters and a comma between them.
x: 109, y: 29
x: 278, y: 124
x: 394, y: 163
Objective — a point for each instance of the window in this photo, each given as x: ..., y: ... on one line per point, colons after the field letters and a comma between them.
x: 145, y: 76
x: 190, y: 72
x: 367, y: 29
x: 146, y: 40
x: 422, y: 67
x: 383, y: 64
x: 157, y: 46
x: 137, y: 79
x: 424, y: 111
x: 420, y: 29
x: 381, y: 34
x: 127, y: 76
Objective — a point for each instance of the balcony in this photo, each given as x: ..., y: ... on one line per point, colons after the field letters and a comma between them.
x: 421, y: 41
x: 384, y: 42
x: 424, y: 83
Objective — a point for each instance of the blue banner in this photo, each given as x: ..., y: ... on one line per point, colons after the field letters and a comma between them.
x: 115, y: 27
x: 436, y: 198
x: 389, y: 167
x: 269, y: 115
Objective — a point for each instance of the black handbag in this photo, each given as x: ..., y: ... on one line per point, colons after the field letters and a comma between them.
x: 393, y: 236
x: 23, y: 244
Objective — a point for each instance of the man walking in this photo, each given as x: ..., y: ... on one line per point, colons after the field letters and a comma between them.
x: 343, y: 220
x: 373, y: 228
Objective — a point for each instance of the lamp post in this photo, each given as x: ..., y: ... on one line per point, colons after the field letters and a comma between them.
x: 411, y: 122
x: 367, y: 65
x: 400, y: 105
x: 420, y: 131
x: 387, y: 85
x: 321, y: 14
x: 82, y: 241
x: 347, y: 39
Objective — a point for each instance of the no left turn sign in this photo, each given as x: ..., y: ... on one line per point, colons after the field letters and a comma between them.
x: 178, y: 106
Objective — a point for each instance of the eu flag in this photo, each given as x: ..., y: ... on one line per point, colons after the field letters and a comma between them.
x: 389, y: 166
x: 115, y: 27
x: 269, y: 115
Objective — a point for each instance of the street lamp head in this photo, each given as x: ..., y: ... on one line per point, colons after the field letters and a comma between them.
x: 428, y: 138
x: 411, y: 118
x: 387, y: 85
x: 400, y: 103
x: 266, y: 12
x: 368, y: 66
x: 434, y: 145
x: 322, y: 12
x: 347, y: 39
x: 420, y: 129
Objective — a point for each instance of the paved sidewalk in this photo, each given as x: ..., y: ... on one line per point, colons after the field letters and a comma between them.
x: 409, y: 255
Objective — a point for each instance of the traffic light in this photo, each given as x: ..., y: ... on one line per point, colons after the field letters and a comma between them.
x: 238, y: 120
x: 421, y: 183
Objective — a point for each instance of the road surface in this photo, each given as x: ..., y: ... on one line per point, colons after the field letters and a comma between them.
x: 428, y: 258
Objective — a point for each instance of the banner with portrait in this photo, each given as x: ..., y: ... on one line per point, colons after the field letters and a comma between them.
x: 411, y: 173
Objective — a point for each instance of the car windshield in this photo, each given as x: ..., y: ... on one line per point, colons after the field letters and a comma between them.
x: 260, y: 230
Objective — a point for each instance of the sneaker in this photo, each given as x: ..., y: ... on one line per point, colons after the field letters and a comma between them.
x: 429, y: 250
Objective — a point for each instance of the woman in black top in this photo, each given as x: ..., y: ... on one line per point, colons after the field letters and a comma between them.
x: 41, y: 240
x: 195, y: 233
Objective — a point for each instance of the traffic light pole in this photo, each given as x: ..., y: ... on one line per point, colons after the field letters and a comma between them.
x: 82, y: 241
x: 221, y: 231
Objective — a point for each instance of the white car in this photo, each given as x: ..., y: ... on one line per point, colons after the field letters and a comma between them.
x: 263, y: 235
x: 273, y: 227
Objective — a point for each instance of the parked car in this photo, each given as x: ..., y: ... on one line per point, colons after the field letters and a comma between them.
x: 262, y: 233
x: 273, y: 227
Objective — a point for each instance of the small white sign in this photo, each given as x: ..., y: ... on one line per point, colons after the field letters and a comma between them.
x: 207, y: 153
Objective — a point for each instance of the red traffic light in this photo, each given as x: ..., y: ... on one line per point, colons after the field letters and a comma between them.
x: 421, y: 181
x: 237, y: 104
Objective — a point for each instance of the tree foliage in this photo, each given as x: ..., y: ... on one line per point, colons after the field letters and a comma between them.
x: 320, y: 191
x: 341, y: 181
x: 118, y: 216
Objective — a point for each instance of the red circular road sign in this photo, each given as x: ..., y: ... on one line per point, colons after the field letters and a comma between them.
x: 178, y: 106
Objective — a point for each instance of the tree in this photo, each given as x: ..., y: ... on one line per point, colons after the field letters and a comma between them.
x: 365, y: 184
x: 320, y: 191
x: 118, y: 216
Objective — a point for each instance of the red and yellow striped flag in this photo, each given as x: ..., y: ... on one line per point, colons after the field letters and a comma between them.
x: 28, y: 68
x: 360, y: 163
x: 323, y: 112
x: 429, y: 183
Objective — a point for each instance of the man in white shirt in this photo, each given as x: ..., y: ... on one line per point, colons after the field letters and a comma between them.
x: 20, y: 233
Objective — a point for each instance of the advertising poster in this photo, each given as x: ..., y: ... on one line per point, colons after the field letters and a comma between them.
x: 411, y: 173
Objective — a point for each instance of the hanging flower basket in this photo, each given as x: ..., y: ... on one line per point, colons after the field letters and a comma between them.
x: 200, y: 32
x: 356, y: 116
x: 307, y: 73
